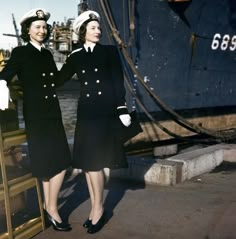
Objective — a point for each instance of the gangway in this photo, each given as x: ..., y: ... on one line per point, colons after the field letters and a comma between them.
x: 13, y: 186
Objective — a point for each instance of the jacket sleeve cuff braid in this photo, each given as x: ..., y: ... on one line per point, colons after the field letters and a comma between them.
x: 122, y: 110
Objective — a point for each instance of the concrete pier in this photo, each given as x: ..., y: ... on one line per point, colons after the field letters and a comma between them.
x: 178, y: 168
x: 198, y: 207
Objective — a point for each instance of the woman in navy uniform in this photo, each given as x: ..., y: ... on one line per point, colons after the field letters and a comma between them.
x: 101, y: 108
x: 48, y: 148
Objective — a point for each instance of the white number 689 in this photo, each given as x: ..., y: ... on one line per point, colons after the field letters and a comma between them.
x: 224, y: 43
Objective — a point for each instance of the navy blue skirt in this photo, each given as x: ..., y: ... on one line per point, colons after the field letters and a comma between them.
x: 48, y: 147
x: 97, y: 144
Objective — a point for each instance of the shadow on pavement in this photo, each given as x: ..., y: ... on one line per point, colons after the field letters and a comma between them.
x: 225, y: 167
x: 74, y: 192
x: 116, y: 190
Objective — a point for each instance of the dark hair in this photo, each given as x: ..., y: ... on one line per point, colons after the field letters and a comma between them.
x: 25, y: 32
x: 83, y: 30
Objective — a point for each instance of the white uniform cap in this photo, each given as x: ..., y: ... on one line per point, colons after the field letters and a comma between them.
x: 34, y: 15
x: 83, y: 17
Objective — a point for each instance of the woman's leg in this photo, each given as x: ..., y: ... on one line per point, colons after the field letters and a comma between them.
x: 51, y: 190
x: 91, y: 194
x: 97, y: 185
x: 45, y: 192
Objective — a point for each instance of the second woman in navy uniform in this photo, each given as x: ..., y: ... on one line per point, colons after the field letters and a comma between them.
x: 101, y: 106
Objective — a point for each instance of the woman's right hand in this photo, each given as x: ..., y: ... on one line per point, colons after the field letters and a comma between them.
x: 4, y: 95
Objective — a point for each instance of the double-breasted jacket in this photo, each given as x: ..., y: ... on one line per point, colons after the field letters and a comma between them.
x: 100, y: 73
x: 48, y: 148
x: 36, y: 72
x: 101, y: 77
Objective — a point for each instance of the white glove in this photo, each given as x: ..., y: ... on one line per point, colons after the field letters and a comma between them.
x: 4, y: 95
x: 125, y: 119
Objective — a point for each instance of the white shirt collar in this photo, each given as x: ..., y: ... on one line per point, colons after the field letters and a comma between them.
x: 37, y: 46
x: 92, y: 45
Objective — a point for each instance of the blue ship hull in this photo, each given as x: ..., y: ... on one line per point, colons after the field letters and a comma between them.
x: 185, y: 51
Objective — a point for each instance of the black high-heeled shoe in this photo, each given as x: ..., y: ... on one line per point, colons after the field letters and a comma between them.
x: 63, y: 226
x: 99, y: 225
x: 46, y: 220
x: 87, y: 223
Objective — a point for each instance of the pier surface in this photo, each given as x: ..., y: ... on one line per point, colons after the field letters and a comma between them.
x: 203, y: 207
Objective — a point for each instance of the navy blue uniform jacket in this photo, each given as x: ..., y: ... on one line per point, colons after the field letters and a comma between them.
x: 96, y: 143
x: 48, y: 148
x: 36, y: 73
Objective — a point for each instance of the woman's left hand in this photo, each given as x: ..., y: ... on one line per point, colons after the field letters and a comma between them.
x: 125, y: 119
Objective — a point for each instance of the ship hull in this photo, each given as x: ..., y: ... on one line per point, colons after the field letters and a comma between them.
x: 176, y: 55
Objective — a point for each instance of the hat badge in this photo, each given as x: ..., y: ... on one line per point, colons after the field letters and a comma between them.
x: 92, y: 16
x: 40, y: 14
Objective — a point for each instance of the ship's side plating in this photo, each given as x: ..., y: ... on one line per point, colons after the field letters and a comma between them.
x: 189, y: 63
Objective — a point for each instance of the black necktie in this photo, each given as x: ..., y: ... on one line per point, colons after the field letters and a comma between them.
x: 89, y: 50
x: 42, y: 49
